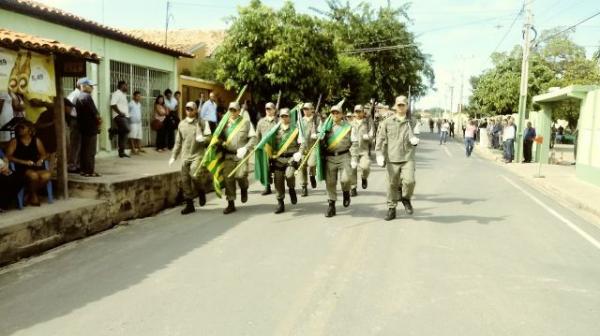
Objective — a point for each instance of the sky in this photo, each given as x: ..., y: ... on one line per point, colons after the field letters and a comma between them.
x: 459, y: 35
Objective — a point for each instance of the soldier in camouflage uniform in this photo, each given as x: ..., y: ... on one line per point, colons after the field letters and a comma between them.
x: 339, y: 147
x: 310, y: 123
x: 262, y: 127
x: 364, y: 130
x: 287, y: 153
x: 395, y: 149
x: 193, y: 135
x: 238, y: 138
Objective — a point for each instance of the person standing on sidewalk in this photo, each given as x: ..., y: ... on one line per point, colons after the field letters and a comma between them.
x: 209, y: 110
x: 395, y: 149
x: 470, y: 137
x: 364, y: 133
x: 438, y: 123
x: 88, y: 121
x: 74, y: 134
x: 193, y: 135
x: 444, y: 131
x: 452, y: 125
x: 431, y: 122
x: 508, y: 136
x: 171, y: 121
x: 528, y: 137
x: 135, y: 123
x: 120, y: 109
x: 262, y: 128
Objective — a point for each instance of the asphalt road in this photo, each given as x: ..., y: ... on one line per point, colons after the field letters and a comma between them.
x: 482, y: 255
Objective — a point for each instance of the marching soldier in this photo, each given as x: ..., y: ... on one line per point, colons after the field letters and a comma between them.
x: 193, y: 134
x: 263, y: 126
x: 363, y: 130
x: 395, y: 148
x: 338, y: 143
x: 288, y: 153
x: 240, y: 138
x: 310, y: 123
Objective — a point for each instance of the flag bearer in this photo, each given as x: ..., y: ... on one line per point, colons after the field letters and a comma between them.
x: 263, y: 126
x: 285, y: 160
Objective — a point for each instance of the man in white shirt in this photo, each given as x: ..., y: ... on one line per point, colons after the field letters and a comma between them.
x: 74, y: 134
x: 120, y: 109
x: 508, y: 135
x: 209, y: 110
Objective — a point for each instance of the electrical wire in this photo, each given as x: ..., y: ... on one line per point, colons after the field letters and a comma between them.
x: 510, y: 28
x: 568, y: 28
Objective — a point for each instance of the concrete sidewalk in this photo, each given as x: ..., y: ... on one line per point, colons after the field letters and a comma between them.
x: 559, y: 180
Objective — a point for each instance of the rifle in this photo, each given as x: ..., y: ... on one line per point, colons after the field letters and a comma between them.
x: 278, y: 101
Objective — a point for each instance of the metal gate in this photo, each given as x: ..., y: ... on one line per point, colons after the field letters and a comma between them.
x: 149, y: 82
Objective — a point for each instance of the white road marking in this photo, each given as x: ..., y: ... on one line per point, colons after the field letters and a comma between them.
x: 570, y: 224
x: 447, y: 151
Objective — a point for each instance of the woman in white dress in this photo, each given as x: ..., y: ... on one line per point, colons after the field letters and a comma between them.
x: 135, y: 124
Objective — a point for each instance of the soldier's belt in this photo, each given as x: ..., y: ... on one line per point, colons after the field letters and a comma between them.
x: 227, y: 151
x: 338, y: 153
x: 286, y: 155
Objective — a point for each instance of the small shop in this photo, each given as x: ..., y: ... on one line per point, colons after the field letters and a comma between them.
x: 32, y: 72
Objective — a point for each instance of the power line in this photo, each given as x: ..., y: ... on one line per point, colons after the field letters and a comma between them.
x: 519, y: 13
x: 377, y: 49
x: 569, y: 28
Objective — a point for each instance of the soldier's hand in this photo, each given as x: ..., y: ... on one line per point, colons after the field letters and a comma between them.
x: 297, y: 157
x: 414, y: 141
x: 171, y: 161
x: 380, y: 160
x: 314, y: 136
x: 200, y: 138
x: 241, y: 152
x: 366, y: 137
x: 353, y: 163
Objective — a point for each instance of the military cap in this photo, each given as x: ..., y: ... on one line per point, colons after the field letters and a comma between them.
x: 234, y: 105
x: 270, y: 105
x: 401, y: 100
x: 307, y: 106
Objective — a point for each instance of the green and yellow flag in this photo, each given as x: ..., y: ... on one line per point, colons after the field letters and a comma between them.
x: 213, y: 158
x: 325, y: 127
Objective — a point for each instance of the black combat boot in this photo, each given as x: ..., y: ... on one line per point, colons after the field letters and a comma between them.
x: 330, y: 209
x: 280, y: 207
x: 244, y: 195
x: 201, y: 198
x: 407, y: 206
x: 391, y: 214
x: 267, y: 190
x: 313, y: 182
x: 304, y: 191
x: 293, y: 197
x: 189, y: 207
x: 230, y: 208
x: 353, y: 192
x: 346, y: 199
x: 364, y: 183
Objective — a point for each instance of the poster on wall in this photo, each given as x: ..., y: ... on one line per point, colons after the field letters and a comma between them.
x: 27, y: 89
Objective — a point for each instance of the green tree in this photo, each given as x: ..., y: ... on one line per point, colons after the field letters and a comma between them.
x: 354, y: 81
x: 206, y: 69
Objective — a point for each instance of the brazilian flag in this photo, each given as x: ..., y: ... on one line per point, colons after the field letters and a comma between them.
x: 267, y: 148
x: 213, y: 158
x: 325, y: 127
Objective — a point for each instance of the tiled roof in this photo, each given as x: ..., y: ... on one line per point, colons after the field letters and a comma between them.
x: 184, y: 39
x: 55, y: 15
x: 10, y: 38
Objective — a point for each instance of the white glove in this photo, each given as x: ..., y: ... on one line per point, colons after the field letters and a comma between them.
x: 241, y: 153
x: 314, y: 136
x: 353, y: 163
x: 200, y: 138
x: 380, y: 160
x: 171, y: 161
x: 366, y: 137
x: 414, y: 141
x: 297, y: 157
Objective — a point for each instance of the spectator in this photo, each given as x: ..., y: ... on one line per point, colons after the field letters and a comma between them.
x: 28, y: 154
x: 74, y: 134
x: 120, y: 108
x: 10, y: 182
x: 439, y: 126
x: 135, y: 126
x: 528, y: 138
x: 177, y: 96
x: 508, y: 136
x: 88, y: 121
x: 209, y: 110
x: 560, y: 132
x: 452, y: 128
x: 200, y: 101
x: 445, y: 127
x: 552, y: 136
x: 431, y: 125
x: 172, y: 119
x: 6, y: 114
x: 160, y: 114
x: 470, y: 131
x: 496, y: 133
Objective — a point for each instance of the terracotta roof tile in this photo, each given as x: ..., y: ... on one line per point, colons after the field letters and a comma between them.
x: 55, y: 15
x: 10, y: 38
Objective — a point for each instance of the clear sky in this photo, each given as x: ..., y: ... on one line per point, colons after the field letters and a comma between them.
x: 458, y: 34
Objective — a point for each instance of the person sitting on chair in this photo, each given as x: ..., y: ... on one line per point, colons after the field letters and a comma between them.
x: 28, y: 154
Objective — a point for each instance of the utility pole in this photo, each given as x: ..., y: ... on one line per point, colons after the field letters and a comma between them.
x: 527, y: 27
x: 167, y: 21
x: 409, y: 102
x: 460, y: 105
x: 451, y: 98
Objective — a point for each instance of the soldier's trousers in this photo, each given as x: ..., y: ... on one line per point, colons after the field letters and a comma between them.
x: 191, y: 184
x: 400, y: 175
x: 280, y: 178
x: 337, y: 166
x: 241, y: 177
x: 364, y: 164
x: 309, y: 168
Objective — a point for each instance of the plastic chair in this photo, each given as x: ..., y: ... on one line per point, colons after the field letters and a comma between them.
x: 21, y: 193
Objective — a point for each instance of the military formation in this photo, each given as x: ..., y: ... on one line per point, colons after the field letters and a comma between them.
x: 298, y: 143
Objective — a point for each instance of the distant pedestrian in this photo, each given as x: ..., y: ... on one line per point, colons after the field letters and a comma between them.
x: 496, y: 133
x: 560, y: 132
x: 172, y: 119
x: 135, y: 126
x: 438, y: 123
x: 160, y: 114
x: 88, y: 121
x: 470, y: 131
x: 120, y: 114
x: 508, y: 136
x: 444, y: 128
x: 431, y: 125
x: 452, y: 125
x: 209, y: 110
x: 177, y: 96
x: 528, y: 138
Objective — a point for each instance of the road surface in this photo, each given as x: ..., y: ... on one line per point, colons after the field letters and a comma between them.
x: 482, y: 255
